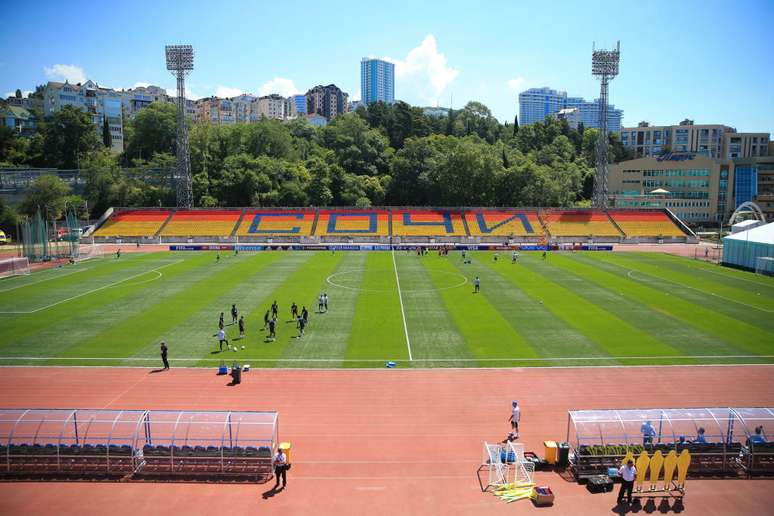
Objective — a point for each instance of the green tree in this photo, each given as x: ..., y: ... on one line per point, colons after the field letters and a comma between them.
x: 8, y: 219
x: 68, y: 137
x: 48, y: 194
x: 153, y: 130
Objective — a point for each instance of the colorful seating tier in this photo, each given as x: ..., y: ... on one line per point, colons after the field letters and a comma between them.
x: 353, y: 223
x: 441, y: 223
x: 486, y: 223
x: 646, y: 223
x: 581, y: 223
x: 139, y: 223
x: 202, y: 223
x: 277, y: 223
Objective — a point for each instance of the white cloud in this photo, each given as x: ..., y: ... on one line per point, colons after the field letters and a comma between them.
x: 141, y: 85
x: 227, y: 92
x: 70, y: 73
x: 424, y: 74
x: 281, y: 85
x: 190, y: 95
x: 517, y: 84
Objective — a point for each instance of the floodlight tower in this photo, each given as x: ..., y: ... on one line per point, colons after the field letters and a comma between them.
x: 180, y: 63
x: 604, y: 66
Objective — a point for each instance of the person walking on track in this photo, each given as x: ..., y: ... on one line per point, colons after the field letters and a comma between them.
x: 627, y: 472
x: 515, y: 417
x: 280, y: 468
x: 164, y: 355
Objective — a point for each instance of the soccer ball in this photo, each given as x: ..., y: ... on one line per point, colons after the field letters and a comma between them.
x: 235, y: 349
x: 243, y: 347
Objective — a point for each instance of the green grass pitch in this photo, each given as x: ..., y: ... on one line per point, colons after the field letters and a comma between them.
x: 572, y: 309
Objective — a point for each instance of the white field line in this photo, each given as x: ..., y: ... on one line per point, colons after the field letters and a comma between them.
x: 698, y: 290
x: 55, y: 276
x: 156, y: 269
x: 383, y: 360
x: 402, y: 313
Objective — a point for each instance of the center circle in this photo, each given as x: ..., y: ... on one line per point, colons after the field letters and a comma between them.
x: 340, y: 280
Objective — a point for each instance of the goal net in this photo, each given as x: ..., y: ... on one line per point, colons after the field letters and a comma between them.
x: 764, y: 265
x: 14, y: 267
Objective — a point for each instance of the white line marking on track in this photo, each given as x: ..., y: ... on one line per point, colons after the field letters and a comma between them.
x: 156, y: 269
x: 697, y: 290
x: 382, y: 360
x: 413, y: 369
x: 402, y: 313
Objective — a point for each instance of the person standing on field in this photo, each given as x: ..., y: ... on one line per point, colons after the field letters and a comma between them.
x: 164, y: 355
x: 242, y: 327
x: 515, y: 417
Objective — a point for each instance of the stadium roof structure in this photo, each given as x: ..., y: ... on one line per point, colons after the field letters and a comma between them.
x: 762, y: 234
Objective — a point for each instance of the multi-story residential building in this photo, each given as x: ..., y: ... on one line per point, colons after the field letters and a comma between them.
x: 754, y: 181
x: 327, y: 101
x: 537, y: 104
x: 19, y: 119
x: 714, y: 140
x: 215, y: 110
x: 295, y: 106
x: 134, y: 99
x: 377, y: 81
x: 102, y: 104
x: 244, y: 108
x: 272, y: 106
x: 694, y: 187
x: 745, y: 145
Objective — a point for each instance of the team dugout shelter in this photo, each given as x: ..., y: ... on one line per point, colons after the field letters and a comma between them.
x: 729, y: 443
x: 123, y: 443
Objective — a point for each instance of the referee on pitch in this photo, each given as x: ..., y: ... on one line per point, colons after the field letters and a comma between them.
x: 164, y: 355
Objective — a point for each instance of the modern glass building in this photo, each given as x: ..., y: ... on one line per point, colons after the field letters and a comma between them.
x: 537, y: 104
x: 745, y: 184
x: 377, y: 81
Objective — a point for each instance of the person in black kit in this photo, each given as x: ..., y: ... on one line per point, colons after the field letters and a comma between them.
x: 266, y: 320
x: 301, y: 325
x: 220, y: 321
x: 164, y: 355
x: 242, y: 327
x: 274, y: 309
x: 234, y: 313
x: 294, y: 311
x: 272, y: 329
x: 305, y: 314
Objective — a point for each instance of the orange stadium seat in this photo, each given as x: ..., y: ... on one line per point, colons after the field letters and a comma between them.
x: 202, y: 223
x: 139, y: 223
x: 277, y: 222
x: 353, y: 223
x: 646, y: 223
x: 427, y: 223
x: 483, y: 223
x: 581, y: 223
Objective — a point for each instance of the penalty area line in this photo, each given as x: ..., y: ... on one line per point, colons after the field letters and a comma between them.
x: 402, y: 312
x: 155, y: 269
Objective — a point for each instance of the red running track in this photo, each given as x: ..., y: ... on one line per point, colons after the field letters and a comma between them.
x: 382, y: 441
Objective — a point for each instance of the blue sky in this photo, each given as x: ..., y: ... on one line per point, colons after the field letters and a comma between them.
x: 712, y: 61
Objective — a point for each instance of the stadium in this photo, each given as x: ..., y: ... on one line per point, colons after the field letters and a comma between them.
x: 287, y: 295
x: 398, y: 382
